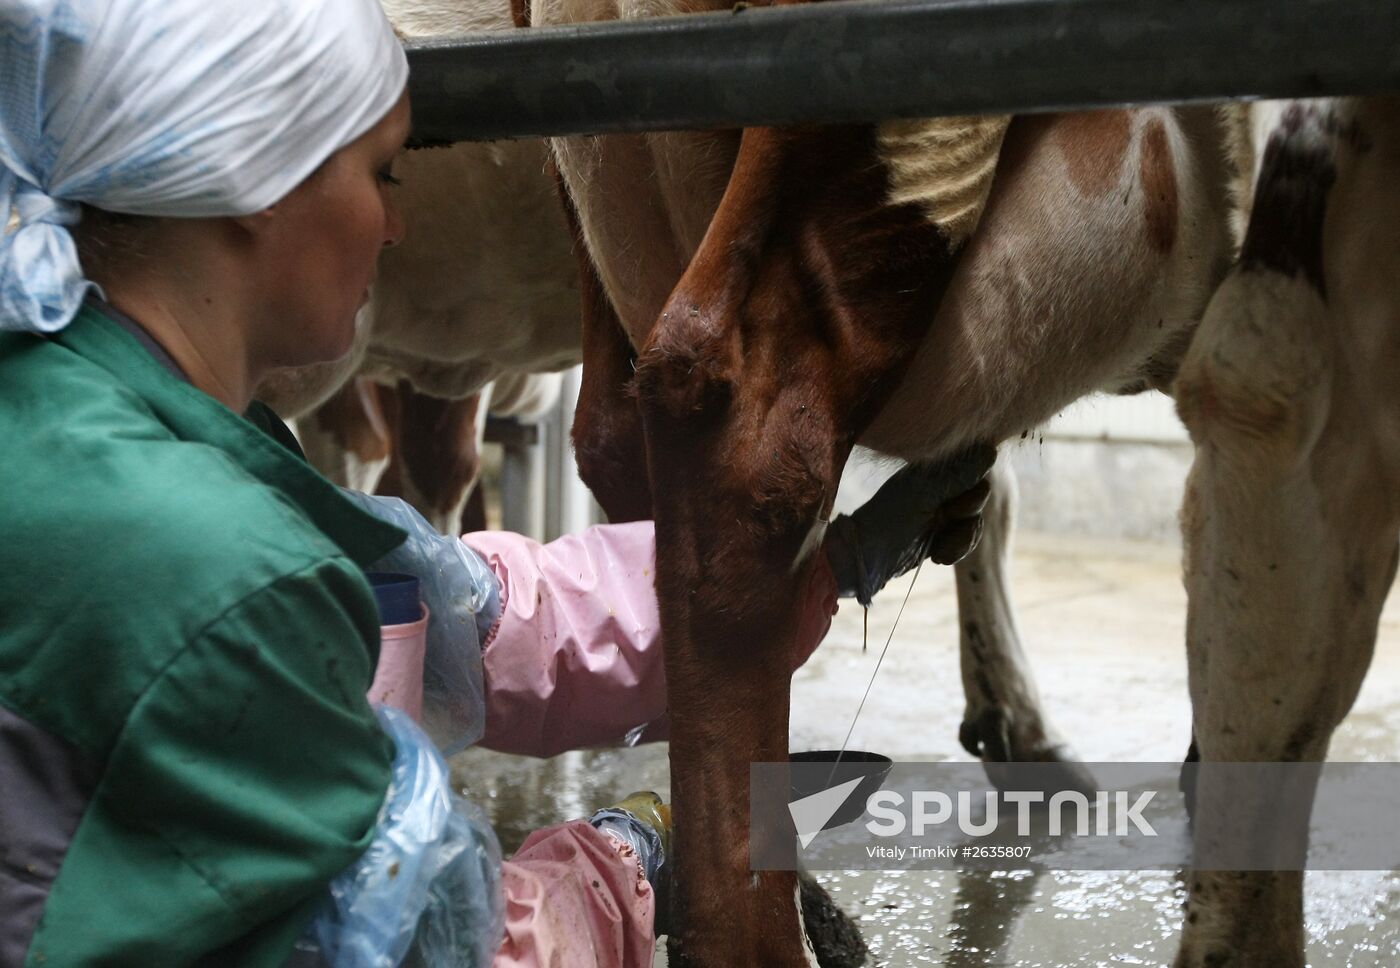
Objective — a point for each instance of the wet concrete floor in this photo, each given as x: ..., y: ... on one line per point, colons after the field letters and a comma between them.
x: 1103, y: 625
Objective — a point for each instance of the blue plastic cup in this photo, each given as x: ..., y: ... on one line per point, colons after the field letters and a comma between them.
x: 397, y: 596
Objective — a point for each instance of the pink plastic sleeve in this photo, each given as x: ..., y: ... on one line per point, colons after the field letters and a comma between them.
x: 576, y: 898
x: 575, y: 660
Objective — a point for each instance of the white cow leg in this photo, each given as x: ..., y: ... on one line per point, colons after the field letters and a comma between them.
x: 1003, y: 722
x: 1288, y: 563
x: 1290, y: 528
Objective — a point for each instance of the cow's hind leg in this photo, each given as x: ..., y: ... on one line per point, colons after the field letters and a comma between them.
x: 1003, y: 722
x: 436, y: 456
x: 1291, y: 511
x: 347, y: 438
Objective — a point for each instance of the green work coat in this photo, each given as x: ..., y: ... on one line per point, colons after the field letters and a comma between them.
x: 186, y: 637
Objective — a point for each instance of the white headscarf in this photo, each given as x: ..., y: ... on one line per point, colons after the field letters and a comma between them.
x: 168, y: 107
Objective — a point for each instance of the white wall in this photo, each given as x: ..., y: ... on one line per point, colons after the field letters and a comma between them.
x: 1144, y: 418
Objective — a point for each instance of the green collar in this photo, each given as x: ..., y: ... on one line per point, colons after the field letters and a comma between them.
x: 193, y: 415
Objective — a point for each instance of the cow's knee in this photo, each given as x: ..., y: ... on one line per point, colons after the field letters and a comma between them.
x: 746, y: 439
x: 686, y: 374
x: 1255, y: 386
x: 1256, y: 382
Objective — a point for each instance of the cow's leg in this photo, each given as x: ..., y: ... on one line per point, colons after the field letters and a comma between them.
x: 1291, y: 510
x: 436, y: 457
x: 793, y: 321
x: 638, y: 207
x: 1003, y: 722
x: 346, y: 438
x: 609, y: 445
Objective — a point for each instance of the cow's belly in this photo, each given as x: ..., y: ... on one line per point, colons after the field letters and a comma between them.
x: 1073, y: 283
x: 486, y: 275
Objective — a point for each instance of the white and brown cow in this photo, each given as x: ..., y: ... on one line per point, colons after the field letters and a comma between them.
x: 643, y: 204
x: 916, y: 286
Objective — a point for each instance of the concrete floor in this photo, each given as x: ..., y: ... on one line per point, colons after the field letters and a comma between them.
x: 1103, y: 623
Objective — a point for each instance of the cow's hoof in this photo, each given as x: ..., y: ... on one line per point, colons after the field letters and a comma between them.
x: 1187, y: 958
x: 835, y: 939
x: 990, y: 737
x: 1224, y: 956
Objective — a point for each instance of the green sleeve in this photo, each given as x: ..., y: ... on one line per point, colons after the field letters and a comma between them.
x: 248, y: 775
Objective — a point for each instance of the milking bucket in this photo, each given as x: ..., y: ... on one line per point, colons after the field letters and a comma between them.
x: 818, y: 770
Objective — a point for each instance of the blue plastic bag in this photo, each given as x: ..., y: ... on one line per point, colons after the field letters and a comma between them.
x: 430, y: 881
x: 464, y: 602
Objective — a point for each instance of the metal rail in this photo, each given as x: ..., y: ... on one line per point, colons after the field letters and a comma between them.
x: 866, y: 60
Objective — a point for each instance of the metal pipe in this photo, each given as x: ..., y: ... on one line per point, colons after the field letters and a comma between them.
x: 523, y: 482
x: 866, y: 60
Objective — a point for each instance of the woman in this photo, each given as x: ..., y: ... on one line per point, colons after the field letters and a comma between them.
x: 191, y: 770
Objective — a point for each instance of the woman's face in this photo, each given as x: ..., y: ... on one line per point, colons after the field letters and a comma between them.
x: 322, y: 242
